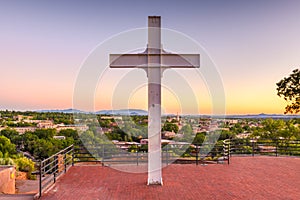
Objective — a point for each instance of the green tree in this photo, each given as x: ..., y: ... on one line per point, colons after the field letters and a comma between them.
x: 226, y: 135
x: 7, y: 149
x: 43, y: 149
x: 272, y: 128
x: 199, y: 138
x: 45, y: 133
x: 237, y: 128
x: 104, y: 123
x: 69, y: 133
x: 187, y: 132
x: 187, y: 129
x: 28, y: 140
x: 170, y: 127
x: 290, y: 131
x: 13, y: 135
x: 289, y: 89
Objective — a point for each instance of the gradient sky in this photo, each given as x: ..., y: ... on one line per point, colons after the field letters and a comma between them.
x: 254, y: 44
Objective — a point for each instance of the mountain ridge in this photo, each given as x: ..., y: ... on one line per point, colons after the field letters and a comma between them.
x: 144, y: 112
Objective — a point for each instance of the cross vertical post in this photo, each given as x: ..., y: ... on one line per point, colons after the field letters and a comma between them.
x: 154, y: 61
x: 154, y: 102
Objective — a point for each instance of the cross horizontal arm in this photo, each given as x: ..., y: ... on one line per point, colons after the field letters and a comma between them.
x: 128, y: 60
x: 167, y: 60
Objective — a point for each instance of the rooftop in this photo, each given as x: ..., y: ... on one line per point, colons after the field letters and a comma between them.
x: 258, y: 177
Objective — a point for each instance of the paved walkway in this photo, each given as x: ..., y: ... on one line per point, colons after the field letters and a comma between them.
x: 16, y: 196
x: 27, y: 186
x: 26, y: 189
x: 245, y: 178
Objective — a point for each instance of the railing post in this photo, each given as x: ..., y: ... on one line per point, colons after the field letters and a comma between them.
x: 276, y: 151
x: 65, y: 161
x: 40, y: 179
x: 137, y: 157
x: 288, y: 147
x: 73, y: 154
x: 197, y: 151
x: 54, y: 177
x: 228, y: 152
x: 226, y: 149
x: 252, y: 147
x: 55, y: 168
x: 103, y: 149
x: 167, y: 154
x: 44, y: 168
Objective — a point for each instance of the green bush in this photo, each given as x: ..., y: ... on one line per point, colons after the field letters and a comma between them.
x: 25, y: 165
x: 6, y: 161
x: 208, y: 158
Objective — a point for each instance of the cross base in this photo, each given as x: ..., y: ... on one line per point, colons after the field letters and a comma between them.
x: 153, y: 182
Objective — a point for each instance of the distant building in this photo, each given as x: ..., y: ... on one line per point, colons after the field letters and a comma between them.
x: 46, y: 124
x: 112, y: 117
x: 59, y: 137
x: 103, y: 130
x: 22, y: 117
x: 178, y: 118
x: 73, y: 127
x: 22, y: 130
x: 124, y: 145
x: 243, y: 135
x: 33, y: 120
x: 231, y: 121
x: 168, y: 134
x: 113, y: 124
x: 163, y: 141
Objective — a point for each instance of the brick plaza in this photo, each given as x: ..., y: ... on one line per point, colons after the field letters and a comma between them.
x: 245, y: 178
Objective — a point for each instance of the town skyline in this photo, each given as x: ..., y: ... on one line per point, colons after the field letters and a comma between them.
x: 253, y: 45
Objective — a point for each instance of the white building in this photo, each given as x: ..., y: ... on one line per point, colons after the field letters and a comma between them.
x: 22, y: 130
x: 73, y: 127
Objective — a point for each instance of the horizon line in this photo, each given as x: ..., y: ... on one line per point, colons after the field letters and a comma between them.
x: 65, y: 109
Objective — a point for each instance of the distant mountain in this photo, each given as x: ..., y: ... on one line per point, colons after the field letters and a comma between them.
x: 123, y: 112
x: 101, y: 112
x: 263, y: 116
x: 144, y: 112
x: 70, y: 110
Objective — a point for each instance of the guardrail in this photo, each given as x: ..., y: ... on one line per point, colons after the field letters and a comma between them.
x: 271, y: 147
x: 108, y: 154
x: 51, y: 168
x: 197, y: 153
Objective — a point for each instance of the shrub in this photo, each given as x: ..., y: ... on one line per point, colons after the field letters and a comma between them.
x: 208, y: 158
x: 25, y: 165
x: 6, y: 161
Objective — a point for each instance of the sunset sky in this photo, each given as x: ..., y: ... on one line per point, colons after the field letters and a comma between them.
x: 43, y: 45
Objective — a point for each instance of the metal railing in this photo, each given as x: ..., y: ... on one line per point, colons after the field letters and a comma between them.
x: 51, y: 168
x: 109, y: 154
x: 209, y: 152
x: 270, y: 147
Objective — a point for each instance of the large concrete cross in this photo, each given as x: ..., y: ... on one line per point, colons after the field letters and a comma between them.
x: 154, y: 60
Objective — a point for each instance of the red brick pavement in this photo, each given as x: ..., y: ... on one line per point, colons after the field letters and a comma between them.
x: 245, y: 178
